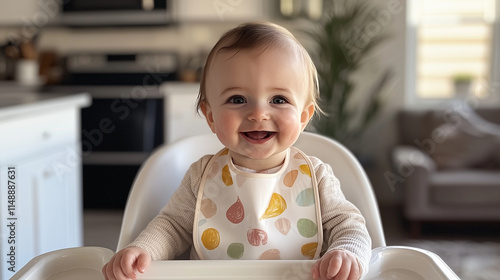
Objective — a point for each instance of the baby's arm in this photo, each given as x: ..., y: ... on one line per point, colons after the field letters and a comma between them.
x: 169, y: 234
x: 125, y: 264
x: 344, y: 230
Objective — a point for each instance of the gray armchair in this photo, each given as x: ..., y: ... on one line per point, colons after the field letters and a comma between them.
x: 448, y: 162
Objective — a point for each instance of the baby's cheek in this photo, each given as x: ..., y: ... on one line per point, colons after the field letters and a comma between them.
x: 290, y: 124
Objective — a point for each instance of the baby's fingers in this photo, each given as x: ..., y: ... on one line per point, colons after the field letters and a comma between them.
x: 126, y: 266
x: 350, y: 271
x: 112, y: 270
x: 331, y: 267
x: 326, y: 268
x: 341, y: 271
x: 105, y: 271
x: 315, y: 270
x: 143, y: 262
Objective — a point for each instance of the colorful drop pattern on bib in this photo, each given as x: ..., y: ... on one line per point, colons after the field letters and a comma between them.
x: 258, y: 216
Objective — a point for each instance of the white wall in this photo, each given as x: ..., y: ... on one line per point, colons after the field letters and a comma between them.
x: 382, y: 135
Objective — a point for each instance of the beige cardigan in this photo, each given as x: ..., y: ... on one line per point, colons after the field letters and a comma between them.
x: 170, y: 233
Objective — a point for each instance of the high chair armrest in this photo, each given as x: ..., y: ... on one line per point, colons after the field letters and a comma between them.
x: 72, y: 263
x: 401, y: 262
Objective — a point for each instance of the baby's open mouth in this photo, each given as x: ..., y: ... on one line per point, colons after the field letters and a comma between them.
x: 259, y: 135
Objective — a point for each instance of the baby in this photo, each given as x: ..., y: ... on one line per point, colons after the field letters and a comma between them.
x: 259, y: 197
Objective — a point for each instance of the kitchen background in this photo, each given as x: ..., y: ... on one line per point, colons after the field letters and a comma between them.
x: 139, y: 62
x: 72, y: 53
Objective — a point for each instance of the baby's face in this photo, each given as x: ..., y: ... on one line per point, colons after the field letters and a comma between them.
x: 257, y: 104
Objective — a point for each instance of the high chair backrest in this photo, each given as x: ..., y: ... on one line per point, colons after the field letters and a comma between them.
x: 163, y: 171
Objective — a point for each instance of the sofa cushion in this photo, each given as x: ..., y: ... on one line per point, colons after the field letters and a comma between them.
x: 417, y: 125
x: 465, y: 187
x: 466, y: 140
x: 461, y: 149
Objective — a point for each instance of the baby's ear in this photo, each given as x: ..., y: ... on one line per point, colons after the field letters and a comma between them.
x: 207, y: 112
x: 306, y: 115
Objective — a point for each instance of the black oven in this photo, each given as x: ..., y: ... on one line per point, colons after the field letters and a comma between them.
x: 119, y: 131
x: 125, y: 122
x: 117, y: 12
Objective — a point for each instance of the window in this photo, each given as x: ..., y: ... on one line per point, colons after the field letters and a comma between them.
x: 451, y: 42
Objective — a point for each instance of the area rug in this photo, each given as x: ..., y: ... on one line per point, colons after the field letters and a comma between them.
x: 468, y: 259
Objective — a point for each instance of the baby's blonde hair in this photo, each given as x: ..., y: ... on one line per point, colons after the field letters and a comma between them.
x: 255, y: 35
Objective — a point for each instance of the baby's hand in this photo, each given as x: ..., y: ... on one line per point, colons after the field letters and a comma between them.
x: 336, y: 265
x: 125, y: 263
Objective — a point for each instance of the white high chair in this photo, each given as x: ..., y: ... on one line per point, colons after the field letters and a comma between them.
x: 162, y: 173
x: 164, y: 170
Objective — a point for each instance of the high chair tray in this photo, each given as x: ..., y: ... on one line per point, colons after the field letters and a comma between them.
x: 86, y: 263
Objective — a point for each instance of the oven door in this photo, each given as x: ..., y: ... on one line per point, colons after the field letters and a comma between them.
x: 118, y: 134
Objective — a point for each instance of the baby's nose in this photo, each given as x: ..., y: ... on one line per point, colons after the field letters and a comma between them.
x: 258, y: 112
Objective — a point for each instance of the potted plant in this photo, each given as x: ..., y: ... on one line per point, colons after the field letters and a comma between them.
x: 462, y: 83
x: 341, y: 45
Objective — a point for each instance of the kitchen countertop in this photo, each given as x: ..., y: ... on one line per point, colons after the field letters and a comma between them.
x: 110, y: 91
x: 14, y: 104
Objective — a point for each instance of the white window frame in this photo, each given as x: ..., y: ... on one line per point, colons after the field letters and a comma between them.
x: 411, y: 98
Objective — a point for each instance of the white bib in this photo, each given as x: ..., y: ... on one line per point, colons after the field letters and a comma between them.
x: 252, y: 216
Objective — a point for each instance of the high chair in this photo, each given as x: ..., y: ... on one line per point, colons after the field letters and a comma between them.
x: 162, y: 173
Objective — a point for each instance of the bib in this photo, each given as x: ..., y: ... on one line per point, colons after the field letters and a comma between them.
x: 241, y: 215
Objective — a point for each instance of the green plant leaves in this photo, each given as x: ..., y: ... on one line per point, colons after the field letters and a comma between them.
x: 343, y: 39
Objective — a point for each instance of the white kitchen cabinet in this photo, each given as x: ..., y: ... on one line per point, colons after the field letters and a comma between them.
x: 181, y: 118
x: 57, y: 201
x: 42, y: 145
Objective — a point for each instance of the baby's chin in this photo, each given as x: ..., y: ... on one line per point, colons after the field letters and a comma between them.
x: 259, y: 160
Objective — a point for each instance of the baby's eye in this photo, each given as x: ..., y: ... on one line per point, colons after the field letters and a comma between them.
x: 237, y: 99
x: 279, y: 100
